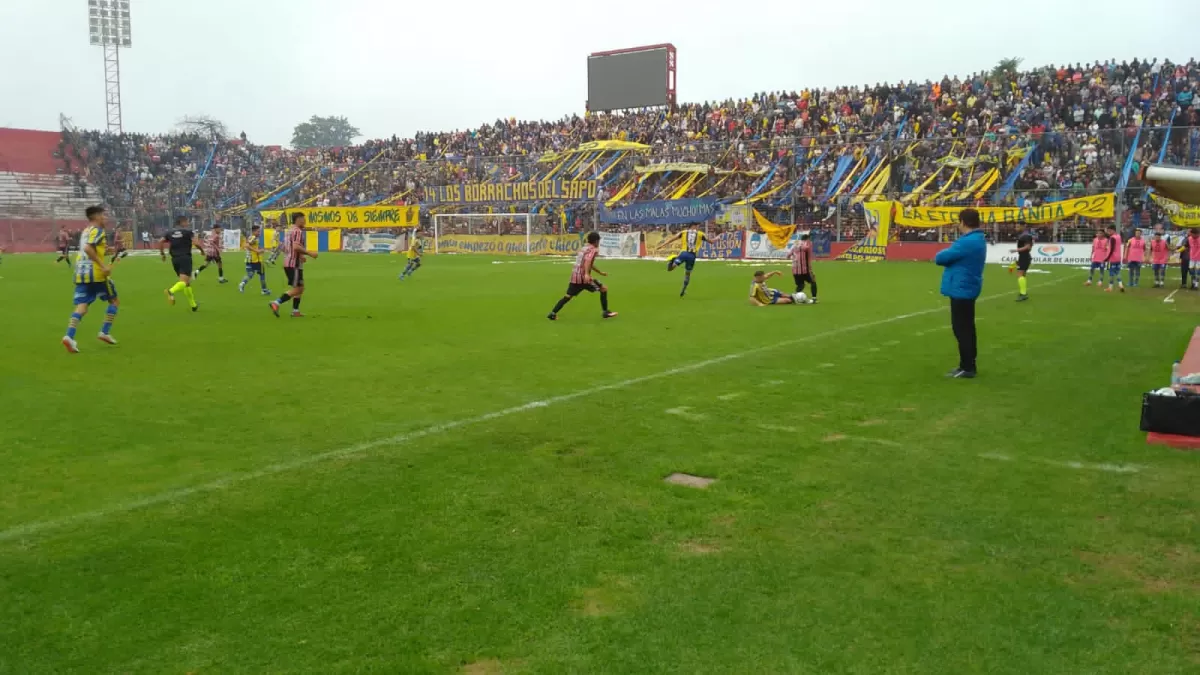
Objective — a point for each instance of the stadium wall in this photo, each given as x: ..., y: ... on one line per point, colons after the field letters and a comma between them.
x: 725, y: 246
x: 33, y: 235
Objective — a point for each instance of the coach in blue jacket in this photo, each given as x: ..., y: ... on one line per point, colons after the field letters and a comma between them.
x: 962, y: 281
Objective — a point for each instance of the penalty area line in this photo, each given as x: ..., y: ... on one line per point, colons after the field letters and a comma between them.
x: 171, y: 496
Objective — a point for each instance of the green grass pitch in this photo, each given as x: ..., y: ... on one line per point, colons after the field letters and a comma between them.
x: 428, y: 476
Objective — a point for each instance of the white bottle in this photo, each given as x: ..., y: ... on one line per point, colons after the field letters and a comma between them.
x: 1175, y: 374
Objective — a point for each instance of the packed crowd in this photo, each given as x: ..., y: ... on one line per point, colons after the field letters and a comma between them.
x: 1071, y: 126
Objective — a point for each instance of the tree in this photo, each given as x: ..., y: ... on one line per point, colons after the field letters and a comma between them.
x: 1006, y: 70
x: 205, y: 126
x: 324, y: 132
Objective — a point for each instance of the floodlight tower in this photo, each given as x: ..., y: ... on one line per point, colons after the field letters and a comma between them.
x: 108, y: 27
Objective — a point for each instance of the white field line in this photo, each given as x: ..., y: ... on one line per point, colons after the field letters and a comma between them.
x: 35, y: 527
x: 1171, y: 298
x: 686, y: 413
x: 1110, y: 468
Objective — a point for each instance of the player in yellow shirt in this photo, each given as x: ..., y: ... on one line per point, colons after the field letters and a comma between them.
x: 761, y: 295
x: 415, y: 249
x: 690, y: 241
x: 254, y: 262
x: 92, y: 279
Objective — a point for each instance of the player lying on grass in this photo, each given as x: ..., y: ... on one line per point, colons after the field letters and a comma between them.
x: 761, y: 295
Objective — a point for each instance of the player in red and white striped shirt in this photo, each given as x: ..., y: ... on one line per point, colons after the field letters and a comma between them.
x: 581, y: 278
x: 293, y: 265
x: 212, y: 254
x: 802, y: 259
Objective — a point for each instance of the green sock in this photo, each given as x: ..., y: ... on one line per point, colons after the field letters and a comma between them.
x: 187, y: 291
x: 179, y: 286
x: 1023, y: 285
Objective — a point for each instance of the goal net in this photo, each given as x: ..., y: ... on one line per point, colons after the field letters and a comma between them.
x: 377, y: 239
x: 490, y: 233
x: 523, y: 234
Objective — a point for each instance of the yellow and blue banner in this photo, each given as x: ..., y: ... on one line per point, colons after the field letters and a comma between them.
x: 557, y: 189
x: 662, y: 212
x: 723, y: 246
x: 1097, y: 206
x: 1181, y: 215
x: 510, y: 244
x: 352, y: 216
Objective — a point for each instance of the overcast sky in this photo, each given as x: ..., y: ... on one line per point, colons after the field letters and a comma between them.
x: 400, y: 66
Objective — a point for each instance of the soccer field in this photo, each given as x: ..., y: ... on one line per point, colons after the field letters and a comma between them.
x: 427, y: 476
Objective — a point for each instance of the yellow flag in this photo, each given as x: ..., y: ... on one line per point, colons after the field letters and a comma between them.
x: 777, y: 234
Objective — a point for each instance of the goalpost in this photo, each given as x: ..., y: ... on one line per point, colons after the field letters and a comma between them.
x: 515, y: 228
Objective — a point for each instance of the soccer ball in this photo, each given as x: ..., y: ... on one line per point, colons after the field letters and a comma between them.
x: 800, y: 298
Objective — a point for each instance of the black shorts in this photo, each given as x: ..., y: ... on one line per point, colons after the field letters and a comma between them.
x: 295, y: 276
x: 65, y: 251
x: 807, y: 277
x: 1024, y: 262
x: 213, y: 258
x: 182, y: 265
x: 575, y: 289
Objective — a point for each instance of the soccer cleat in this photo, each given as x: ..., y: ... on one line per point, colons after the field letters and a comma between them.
x: 960, y: 374
x: 1088, y: 282
x: 241, y: 287
x: 671, y: 265
x: 552, y: 316
x: 1108, y: 290
x: 812, y: 301
x: 266, y: 291
x: 275, y: 308
x: 106, y: 338
x: 70, y: 344
x: 608, y: 315
x: 170, y: 297
x: 296, y: 314
x: 1022, y: 298
x: 196, y: 307
x: 222, y: 280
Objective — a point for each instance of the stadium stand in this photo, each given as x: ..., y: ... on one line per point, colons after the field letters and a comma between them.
x: 1006, y: 137
x: 38, y: 193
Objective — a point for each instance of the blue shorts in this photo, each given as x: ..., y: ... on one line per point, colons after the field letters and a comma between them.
x: 775, y: 295
x: 1159, y: 267
x: 1134, y: 265
x: 253, y: 268
x: 687, y: 259
x: 1097, y: 266
x: 1114, y: 268
x: 86, y: 294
